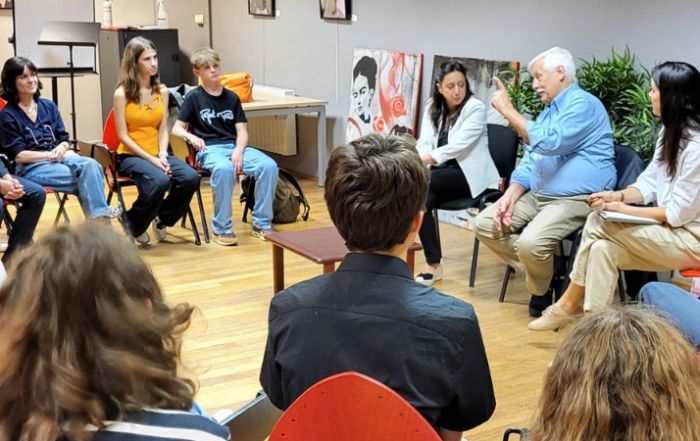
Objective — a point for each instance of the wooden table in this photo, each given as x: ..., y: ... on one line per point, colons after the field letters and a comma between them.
x: 266, y: 104
x: 320, y: 245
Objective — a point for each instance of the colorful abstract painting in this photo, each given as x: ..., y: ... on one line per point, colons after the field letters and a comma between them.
x: 384, y: 93
x: 479, y: 74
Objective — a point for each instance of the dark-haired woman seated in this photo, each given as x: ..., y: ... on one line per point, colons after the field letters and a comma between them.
x: 453, y: 142
x: 88, y: 348
x: 33, y: 135
x: 671, y: 180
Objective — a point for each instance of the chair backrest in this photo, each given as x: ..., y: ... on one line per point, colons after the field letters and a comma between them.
x: 109, y: 134
x: 629, y: 165
x: 2, y: 103
x: 253, y: 421
x: 503, y: 147
x: 181, y: 149
x: 351, y: 406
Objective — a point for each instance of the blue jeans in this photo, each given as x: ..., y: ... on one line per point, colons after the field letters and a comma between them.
x: 217, y: 159
x: 152, y: 184
x: 681, y: 307
x: 74, y: 174
x: 29, y: 208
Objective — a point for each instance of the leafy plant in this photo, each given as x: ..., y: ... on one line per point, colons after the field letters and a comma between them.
x: 519, y: 89
x: 622, y: 87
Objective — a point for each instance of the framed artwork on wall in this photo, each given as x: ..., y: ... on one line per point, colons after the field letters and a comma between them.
x: 335, y: 9
x: 384, y: 93
x: 479, y: 74
x: 264, y: 8
x: 6, y: 4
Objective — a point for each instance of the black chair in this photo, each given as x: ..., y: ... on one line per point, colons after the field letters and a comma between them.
x: 629, y: 166
x: 503, y: 147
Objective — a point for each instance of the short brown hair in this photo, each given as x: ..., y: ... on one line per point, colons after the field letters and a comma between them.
x: 204, y: 57
x: 85, y: 329
x: 374, y: 188
x: 623, y: 374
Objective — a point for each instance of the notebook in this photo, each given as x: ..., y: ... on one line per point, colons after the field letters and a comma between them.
x: 614, y: 216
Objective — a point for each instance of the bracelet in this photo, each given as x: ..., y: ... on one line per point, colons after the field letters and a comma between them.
x: 162, y: 154
x: 622, y: 196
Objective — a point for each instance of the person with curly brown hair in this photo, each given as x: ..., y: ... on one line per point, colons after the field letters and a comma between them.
x: 89, y: 350
x: 623, y: 374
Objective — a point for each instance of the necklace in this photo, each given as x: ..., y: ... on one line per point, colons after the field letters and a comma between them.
x: 30, y: 109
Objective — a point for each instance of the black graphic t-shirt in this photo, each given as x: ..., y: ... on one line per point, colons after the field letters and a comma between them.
x: 212, y: 118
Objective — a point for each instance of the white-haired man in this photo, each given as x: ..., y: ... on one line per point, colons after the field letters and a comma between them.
x: 569, y: 154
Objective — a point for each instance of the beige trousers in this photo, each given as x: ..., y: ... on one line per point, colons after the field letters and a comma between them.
x: 538, y: 225
x: 607, y: 247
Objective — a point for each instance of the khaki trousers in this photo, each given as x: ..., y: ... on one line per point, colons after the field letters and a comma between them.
x: 538, y: 225
x: 607, y: 247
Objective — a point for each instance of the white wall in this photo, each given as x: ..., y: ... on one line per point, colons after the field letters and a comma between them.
x: 125, y: 12
x: 300, y: 51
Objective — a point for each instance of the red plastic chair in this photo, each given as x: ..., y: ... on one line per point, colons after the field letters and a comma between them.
x: 353, y: 407
x: 61, y: 198
x: 105, y: 153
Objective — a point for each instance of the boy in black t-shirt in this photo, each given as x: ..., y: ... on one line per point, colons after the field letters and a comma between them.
x: 213, y: 121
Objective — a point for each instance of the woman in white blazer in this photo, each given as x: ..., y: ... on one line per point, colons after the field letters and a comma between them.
x: 454, y: 144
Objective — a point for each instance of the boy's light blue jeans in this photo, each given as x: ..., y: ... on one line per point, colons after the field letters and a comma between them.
x: 217, y: 159
x: 74, y: 174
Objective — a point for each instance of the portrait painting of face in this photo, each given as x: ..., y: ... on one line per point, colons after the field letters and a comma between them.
x: 384, y: 93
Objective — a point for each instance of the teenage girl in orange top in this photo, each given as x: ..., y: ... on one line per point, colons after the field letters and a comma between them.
x: 140, y: 110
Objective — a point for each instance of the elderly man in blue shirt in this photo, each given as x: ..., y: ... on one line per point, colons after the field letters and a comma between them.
x: 569, y: 154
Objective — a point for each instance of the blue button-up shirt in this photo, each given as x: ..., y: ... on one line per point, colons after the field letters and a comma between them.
x: 571, y: 148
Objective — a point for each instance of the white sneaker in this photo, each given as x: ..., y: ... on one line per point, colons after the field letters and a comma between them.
x: 143, y: 239
x: 114, y: 212
x: 428, y: 279
x: 159, y: 233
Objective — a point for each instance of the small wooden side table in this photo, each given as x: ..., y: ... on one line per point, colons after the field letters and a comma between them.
x: 320, y: 245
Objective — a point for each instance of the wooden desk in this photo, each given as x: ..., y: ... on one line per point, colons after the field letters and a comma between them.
x: 277, y: 105
x: 320, y: 245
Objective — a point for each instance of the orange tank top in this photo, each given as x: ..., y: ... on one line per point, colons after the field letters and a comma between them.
x: 142, y: 123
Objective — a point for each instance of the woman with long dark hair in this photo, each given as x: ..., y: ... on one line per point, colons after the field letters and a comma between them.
x: 34, y: 137
x: 140, y: 115
x: 89, y: 350
x: 453, y: 142
x: 672, y: 180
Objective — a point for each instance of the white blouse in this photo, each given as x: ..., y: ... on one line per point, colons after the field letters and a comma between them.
x: 680, y: 195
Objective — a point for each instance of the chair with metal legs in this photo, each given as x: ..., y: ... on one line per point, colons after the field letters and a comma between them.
x: 503, y: 147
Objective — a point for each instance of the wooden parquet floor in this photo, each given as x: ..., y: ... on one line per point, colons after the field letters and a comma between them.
x: 232, y: 287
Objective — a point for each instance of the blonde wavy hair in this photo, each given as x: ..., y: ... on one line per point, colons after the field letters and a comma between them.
x: 129, y: 70
x: 85, y: 337
x: 623, y: 374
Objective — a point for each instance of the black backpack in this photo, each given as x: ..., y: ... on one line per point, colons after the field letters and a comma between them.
x: 289, y: 197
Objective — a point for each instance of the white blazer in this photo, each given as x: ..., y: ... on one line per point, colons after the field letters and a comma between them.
x: 467, y: 142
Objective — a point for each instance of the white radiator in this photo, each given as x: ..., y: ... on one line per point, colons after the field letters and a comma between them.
x: 276, y: 134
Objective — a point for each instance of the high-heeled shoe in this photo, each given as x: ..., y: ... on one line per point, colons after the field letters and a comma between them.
x: 428, y: 279
x: 553, y: 319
